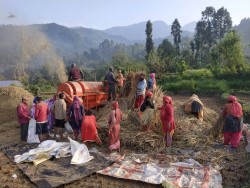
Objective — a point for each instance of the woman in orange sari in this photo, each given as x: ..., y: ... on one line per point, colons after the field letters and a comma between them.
x: 167, y: 119
x: 89, y: 128
x: 115, y: 118
x: 233, y: 124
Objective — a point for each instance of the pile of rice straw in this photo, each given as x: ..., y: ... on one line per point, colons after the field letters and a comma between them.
x: 10, y: 97
x: 145, y: 134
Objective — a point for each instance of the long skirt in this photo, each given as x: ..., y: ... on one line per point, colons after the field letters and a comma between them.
x: 232, y: 138
x: 168, y: 138
x: 114, y: 137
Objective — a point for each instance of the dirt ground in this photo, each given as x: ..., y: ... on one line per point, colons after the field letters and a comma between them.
x: 234, y: 167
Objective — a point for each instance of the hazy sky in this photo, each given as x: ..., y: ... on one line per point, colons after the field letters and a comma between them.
x: 103, y: 14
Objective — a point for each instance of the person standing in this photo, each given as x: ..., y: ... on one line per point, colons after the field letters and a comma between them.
x: 41, y: 117
x: 233, y: 124
x: 115, y: 117
x: 167, y: 119
x: 140, y: 91
x: 60, y: 115
x: 120, y: 79
x: 75, y: 114
x: 110, y: 79
x: 75, y: 73
x: 89, y: 128
x: 23, y: 116
x: 151, y: 82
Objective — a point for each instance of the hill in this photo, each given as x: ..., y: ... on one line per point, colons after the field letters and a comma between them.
x: 136, y: 32
x: 244, y: 30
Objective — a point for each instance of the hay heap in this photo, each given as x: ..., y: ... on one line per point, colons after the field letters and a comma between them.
x: 145, y: 134
x: 10, y: 97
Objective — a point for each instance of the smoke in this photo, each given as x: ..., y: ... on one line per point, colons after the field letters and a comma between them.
x: 25, y: 48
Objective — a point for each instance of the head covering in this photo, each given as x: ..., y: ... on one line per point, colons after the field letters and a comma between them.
x: 77, y: 110
x: 149, y: 94
x: 24, y: 98
x: 152, y: 75
x: 232, y: 98
x: 236, y: 109
x: 76, y: 99
x: 195, y: 97
x: 167, y: 99
x: 115, y: 104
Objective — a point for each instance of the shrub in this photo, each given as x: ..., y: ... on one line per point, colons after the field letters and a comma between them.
x: 197, y: 74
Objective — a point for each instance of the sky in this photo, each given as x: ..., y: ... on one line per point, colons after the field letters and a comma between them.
x: 104, y: 14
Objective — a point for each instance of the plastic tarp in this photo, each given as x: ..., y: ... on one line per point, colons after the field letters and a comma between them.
x: 32, y: 136
x: 55, y: 171
x: 188, y: 173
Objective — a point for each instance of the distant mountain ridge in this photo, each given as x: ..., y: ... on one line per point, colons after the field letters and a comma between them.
x: 136, y: 32
x: 68, y: 41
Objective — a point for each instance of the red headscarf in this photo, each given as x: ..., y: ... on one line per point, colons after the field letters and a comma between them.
x: 236, y: 109
x: 149, y: 94
x: 167, y: 99
x: 115, y: 104
x: 152, y: 75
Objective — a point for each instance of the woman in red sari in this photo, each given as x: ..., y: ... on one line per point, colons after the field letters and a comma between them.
x: 89, y: 128
x: 167, y: 119
x: 233, y: 123
x: 115, y: 118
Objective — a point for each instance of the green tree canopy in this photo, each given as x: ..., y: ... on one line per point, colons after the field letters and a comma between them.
x: 176, y: 32
x: 232, y: 53
x: 149, y: 38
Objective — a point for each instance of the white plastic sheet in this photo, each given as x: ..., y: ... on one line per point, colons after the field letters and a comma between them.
x: 79, y: 152
x: 32, y: 137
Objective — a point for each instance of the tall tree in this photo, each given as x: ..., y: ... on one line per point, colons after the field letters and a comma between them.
x: 207, y: 18
x: 149, y: 39
x: 176, y: 32
x: 222, y: 23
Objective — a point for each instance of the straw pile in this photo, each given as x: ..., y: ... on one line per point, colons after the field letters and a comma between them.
x: 145, y: 133
x: 10, y: 97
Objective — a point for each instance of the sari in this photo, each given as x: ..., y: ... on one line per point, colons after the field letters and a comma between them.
x: 233, y: 124
x: 115, y: 118
x: 167, y: 119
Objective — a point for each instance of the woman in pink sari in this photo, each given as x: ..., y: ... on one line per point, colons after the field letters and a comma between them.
x: 167, y: 119
x: 115, y: 118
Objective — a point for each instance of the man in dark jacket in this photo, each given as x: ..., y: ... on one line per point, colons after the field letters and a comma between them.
x: 110, y: 79
x: 75, y: 73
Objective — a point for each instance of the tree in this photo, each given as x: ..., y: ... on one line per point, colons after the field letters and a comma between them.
x: 222, y: 23
x: 149, y: 39
x: 209, y: 31
x: 176, y: 32
x: 232, y: 53
x: 166, y: 49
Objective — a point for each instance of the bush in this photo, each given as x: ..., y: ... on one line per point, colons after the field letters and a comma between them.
x: 197, y: 74
x: 183, y: 85
x: 212, y: 85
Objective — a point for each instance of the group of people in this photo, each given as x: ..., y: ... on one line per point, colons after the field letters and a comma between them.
x: 81, y: 120
x: 84, y: 122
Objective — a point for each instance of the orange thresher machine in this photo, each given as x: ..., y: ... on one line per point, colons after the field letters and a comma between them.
x: 91, y: 94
